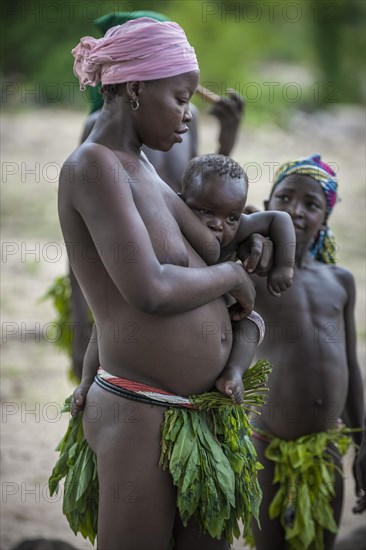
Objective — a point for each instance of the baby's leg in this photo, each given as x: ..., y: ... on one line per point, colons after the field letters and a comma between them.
x: 272, y: 535
x: 230, y: 383
x: 137, y: 503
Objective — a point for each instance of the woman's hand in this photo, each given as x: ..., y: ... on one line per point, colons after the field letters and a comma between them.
x: 245, y: 298
x: 79, y: 397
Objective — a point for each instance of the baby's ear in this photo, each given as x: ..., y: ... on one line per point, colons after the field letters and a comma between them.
x: 181, y: 196
x: 265, y: 204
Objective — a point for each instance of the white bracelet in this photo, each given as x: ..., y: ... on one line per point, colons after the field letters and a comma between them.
x: 258, y: 321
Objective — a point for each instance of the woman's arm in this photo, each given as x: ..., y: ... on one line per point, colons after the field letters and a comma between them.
x: 354, y: 408
x: 90, y: 367
x: 106, y: 205
x: 354, y: 403
x: 80, y: 323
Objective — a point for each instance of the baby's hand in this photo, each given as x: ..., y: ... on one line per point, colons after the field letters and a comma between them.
x: 230, y: 383
x: 279, y: 280
x: 78, y: 399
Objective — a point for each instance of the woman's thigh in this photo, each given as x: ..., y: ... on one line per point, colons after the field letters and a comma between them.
x: 137, y: 503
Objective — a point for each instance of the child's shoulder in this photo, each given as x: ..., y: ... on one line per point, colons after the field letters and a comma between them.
x: 338, y: 272
x: 336, y: 269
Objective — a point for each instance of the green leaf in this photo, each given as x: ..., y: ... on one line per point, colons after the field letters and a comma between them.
x: 306, y: 466
x: 86, y: 467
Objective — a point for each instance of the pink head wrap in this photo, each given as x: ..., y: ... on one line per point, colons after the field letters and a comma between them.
x: 143, y: 49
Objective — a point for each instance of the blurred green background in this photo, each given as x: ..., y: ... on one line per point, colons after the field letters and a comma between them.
x: 280, y: 55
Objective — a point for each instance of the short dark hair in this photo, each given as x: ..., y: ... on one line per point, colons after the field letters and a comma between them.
x: 204, y: 165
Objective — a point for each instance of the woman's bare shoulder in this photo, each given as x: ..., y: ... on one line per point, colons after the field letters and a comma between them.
x: 94, y: 161
x: 86, y: 152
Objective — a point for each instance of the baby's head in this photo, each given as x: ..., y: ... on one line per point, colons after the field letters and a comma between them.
x: 215, y: 187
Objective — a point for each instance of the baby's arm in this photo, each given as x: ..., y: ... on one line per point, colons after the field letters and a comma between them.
x: 247, y: 334
x: 90, y: 367
x: 354, y: 404
x: 279, y: 227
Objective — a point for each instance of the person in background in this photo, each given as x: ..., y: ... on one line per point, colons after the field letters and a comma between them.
x: 311, y: 342
x: 360, y: 505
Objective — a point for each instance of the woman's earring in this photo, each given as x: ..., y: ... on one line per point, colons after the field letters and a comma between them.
x: 134, y: 104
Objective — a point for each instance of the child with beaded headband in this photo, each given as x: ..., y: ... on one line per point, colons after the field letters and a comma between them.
x: 311, y: 342
x: 323, y: 247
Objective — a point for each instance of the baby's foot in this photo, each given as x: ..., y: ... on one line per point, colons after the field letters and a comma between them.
x: 231, y: 384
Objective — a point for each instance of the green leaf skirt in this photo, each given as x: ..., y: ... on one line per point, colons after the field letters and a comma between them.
x: 213, y: 463
x: 305, y: 471
x: 207, y: 450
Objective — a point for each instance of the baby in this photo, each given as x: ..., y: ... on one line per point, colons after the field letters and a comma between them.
x: 215, y: 187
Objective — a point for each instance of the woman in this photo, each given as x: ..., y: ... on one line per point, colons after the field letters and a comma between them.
x: 140, y: 256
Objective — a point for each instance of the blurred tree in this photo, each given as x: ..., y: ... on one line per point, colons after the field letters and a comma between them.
x: 239, y: 44
x: 339, y: 40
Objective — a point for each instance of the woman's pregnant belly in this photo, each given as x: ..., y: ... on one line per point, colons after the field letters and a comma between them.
x: 182, y: 353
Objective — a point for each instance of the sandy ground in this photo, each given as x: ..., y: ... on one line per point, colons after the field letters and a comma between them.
x: 33, y: 373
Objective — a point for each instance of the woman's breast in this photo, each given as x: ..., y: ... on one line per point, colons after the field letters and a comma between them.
x: 167, y: 239
x: 164, y: 232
